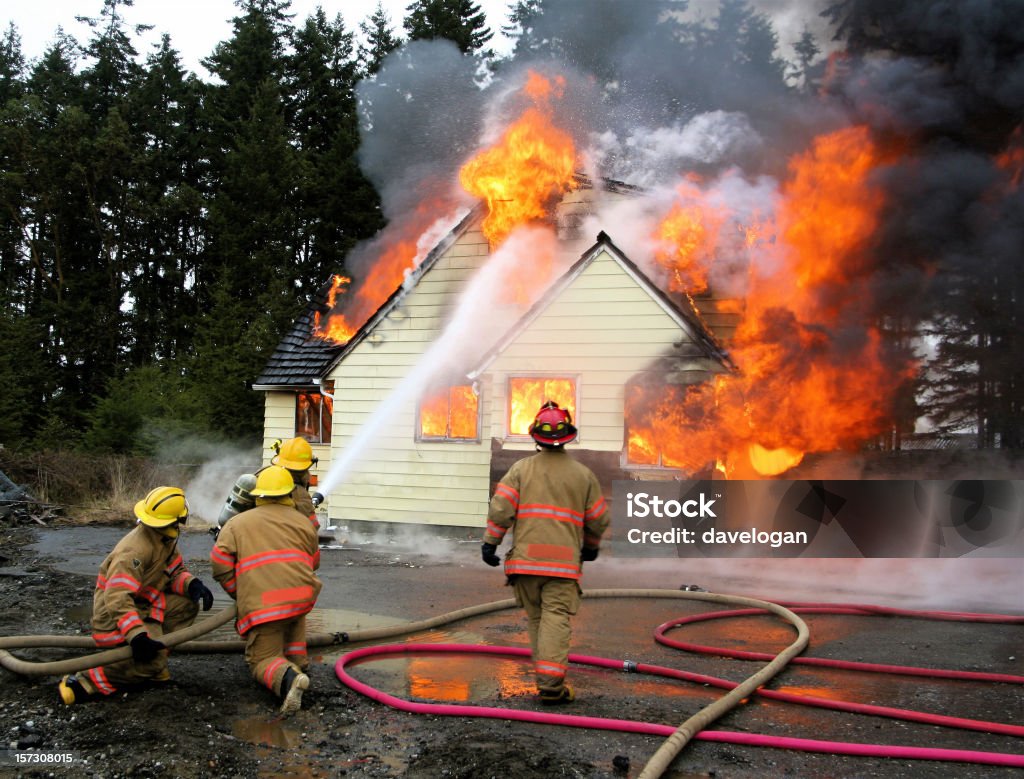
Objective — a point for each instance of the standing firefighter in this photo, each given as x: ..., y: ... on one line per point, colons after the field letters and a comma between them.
x: 557, y: 514
x: 142, y: 592
x: 265, y: 559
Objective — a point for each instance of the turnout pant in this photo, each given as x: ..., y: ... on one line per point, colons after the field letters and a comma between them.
x: 273, y: 647
x: 549, y: 603
x: 180, y: 612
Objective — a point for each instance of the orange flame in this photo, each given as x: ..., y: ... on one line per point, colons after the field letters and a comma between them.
x: 1011, y: 159
x: 530, y: 166
x: 800, y: 387
x: 689, y: 237
x: 396, y: 251
x: 526, y: 396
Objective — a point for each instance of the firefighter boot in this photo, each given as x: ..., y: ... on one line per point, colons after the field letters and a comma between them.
x: 292, y: 687
x: 557, y: 697
x: 71, y: 691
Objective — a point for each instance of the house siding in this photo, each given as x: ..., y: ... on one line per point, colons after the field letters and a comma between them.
x: 279, y: 423
x: 602, y: 330
x: 397, y: 478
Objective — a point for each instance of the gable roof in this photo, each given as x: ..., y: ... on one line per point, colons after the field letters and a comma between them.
x: 687, y: 318
x: 301, y: 359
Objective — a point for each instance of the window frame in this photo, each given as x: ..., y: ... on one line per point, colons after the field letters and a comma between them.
x: 420, y: 438
x: 323, y: 426
x: 525, y: 437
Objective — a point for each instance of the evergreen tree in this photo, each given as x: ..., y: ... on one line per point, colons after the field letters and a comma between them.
x: 460, y: 21
x: 12, y: 66
x: 805, y: 73
x: 381, y: 40
x: 247, y: 287
x: 336, y: 205
x: 170, y: 207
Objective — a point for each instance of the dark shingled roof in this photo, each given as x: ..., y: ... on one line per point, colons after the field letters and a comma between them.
x: 300, y: 359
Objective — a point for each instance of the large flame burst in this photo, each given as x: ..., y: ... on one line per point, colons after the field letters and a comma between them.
x: 811, y: 372
x: 530, y: 166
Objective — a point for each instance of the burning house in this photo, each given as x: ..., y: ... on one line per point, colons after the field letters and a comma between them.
x: 433, y: 428
x: 723, y: 322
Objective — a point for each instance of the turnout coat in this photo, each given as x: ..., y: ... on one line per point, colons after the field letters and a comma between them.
x: 265, y: 559
x: 133, y: 584
x: 554, y: 506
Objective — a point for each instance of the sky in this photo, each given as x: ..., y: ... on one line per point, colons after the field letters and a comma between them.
x: 195, y: 26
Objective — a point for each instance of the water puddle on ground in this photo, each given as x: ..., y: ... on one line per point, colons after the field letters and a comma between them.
x: 81, y: 613
x: 348, y: 621
x: 263, y: 732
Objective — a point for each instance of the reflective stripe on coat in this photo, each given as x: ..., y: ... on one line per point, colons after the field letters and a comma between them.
x: 554, y: 507
x: 132, y: 582
x: 265, y: 559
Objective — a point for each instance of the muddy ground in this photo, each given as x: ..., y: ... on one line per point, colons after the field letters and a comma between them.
x: 214, y: 721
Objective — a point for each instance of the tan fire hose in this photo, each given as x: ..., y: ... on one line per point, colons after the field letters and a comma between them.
x: 183, y: 641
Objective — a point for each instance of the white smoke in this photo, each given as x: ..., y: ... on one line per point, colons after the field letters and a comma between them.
x: 653, y: 156
x: 209, y: 488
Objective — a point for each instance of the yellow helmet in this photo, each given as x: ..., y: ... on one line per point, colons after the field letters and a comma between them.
x: 163, y: 507
x: 295, y: 454
x: 273, y: 482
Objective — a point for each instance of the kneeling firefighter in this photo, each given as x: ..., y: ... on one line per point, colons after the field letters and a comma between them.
x: 265, y: 559
x: 296, y: 455
x: 142, y: 592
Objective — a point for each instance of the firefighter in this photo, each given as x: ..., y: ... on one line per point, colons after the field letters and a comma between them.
x: 143, y: 591
x: 265, y: 559
x: 296, y: 455
x: 557, y: 514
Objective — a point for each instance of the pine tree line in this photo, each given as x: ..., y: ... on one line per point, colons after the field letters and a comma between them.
x: 158, y: 232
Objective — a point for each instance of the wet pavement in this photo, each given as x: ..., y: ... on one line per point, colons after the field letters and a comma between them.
x: 387, y: 579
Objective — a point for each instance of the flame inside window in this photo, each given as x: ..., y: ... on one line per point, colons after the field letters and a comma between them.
x: 527, y: 395
x: 657, y: 427
x: 450, y: 413
x: 313, y: 413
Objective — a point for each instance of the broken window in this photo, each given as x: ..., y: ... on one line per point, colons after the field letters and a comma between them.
x: 450, y: 413
x: 660, y: 422
x: 313, y: 417
x: 526, y: 394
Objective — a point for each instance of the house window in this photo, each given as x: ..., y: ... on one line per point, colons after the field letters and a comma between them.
x: 313, y: 417
x: 450, y: 413
x: 526, y: 394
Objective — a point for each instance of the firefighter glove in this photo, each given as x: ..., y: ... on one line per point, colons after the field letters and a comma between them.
x: 317, y: 499
x: 589, y: 553
x: 144, y: 648
x: 198, y: 591
x: 487, y: 552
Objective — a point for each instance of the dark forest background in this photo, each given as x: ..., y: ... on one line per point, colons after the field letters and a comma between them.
x: 159, y: 231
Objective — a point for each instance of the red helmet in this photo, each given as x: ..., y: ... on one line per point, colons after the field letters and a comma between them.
x: 552, y: 426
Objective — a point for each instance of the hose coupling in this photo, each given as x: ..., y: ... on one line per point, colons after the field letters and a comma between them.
x: 340, y: 638
x: 629, y: 666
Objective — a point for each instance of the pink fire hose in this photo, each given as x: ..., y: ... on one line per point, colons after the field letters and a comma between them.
x: 749, y: 739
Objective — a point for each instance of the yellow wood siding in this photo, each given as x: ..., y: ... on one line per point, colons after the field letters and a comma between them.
x: 602, y: 330
x: 396, y: 478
